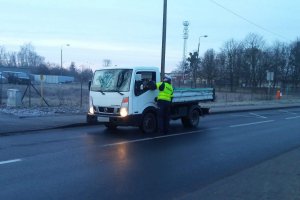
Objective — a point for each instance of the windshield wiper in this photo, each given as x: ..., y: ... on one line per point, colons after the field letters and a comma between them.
x: 118, y: 91
x: 100, y: 91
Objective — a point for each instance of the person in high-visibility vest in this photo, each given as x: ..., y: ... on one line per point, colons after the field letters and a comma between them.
x: 164, y: 99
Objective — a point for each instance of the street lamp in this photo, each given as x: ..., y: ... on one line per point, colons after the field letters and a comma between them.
x: 61, y: 57
x: 199, y: 44
x: 163, y: 45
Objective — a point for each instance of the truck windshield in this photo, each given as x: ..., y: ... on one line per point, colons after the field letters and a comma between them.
x: 112, y: 80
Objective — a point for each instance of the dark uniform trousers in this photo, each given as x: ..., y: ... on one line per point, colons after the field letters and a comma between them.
x: 164, y: 108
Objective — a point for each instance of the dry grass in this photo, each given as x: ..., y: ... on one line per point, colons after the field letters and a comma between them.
x: 54, y: 94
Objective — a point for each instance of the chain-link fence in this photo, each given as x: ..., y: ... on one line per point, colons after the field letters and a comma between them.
x: 75, y: 95
x: 52, y: 95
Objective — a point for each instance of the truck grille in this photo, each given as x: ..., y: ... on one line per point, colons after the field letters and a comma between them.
x: 107, y: 110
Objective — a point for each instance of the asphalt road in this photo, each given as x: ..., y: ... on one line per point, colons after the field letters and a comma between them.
x: 94, y: 163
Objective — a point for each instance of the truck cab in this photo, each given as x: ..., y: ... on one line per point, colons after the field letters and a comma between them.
x: 117, y: 97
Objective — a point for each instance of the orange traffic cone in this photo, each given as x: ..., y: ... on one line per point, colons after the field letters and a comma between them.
x: 278, y: 94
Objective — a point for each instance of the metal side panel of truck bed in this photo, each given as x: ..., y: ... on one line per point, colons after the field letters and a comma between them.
x: 198, y: 94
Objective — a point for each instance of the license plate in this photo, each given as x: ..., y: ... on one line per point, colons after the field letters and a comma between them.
x: 103, y: 119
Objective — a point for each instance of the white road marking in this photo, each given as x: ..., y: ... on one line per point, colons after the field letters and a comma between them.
x: 249, y: 124
x: 128, y: 142
x: 155, y: 138
x: 293, y: 117
x: 10, y: 161
x: 241, y: 116
x: 285, y: 111
x: 259, y: 116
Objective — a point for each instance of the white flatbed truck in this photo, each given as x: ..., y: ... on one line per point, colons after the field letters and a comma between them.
x: 117, y: 97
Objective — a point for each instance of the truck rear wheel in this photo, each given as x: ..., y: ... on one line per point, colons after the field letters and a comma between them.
x: 192, y: 120
x: 149, y: 123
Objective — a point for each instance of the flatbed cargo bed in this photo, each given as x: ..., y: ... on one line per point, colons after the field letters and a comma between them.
x: 193, y: 95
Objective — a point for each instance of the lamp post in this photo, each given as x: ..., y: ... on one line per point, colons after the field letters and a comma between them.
x: 61, y: 57
x: 199, y: 44
x: 163, y: 46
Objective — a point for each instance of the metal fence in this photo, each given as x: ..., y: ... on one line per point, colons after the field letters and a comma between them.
x: 76, y: 94
x: 32, y: 95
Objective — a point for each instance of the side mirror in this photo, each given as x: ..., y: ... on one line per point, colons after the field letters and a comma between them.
x: 90, y: 83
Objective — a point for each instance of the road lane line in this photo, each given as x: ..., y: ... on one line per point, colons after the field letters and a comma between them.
x: 249, y: 124
x: 293, y: 117
x: 155, y: 138
x: 288, y: 112
x: 10, y: 161
x: 247, y: 116
x: 259, y: 116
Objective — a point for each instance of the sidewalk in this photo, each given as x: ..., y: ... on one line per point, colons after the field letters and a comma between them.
x: 274, y: 179
x: 11, y: 124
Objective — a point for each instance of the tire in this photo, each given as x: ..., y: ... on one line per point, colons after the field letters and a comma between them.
x: 149, y: 123
x: 110, y: 125
x: 192, y: 120
x: 91, y: 119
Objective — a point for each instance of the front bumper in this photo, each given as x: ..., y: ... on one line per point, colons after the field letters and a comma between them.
x: 130, y: 120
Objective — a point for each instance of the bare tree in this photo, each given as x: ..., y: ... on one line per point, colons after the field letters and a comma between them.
x: 222, y: 78
x: 27, y: 57
x: 193, y: 67
x: 276, y: 60
x: 3, y: 56
x: 254, y: 45
x: 106, y: 62
x: 12, y: 62
x: 295, y: 62
x: 232, y: 51
x: 209, y: 70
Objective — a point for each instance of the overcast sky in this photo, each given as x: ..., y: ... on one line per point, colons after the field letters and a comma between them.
x: 129, y: 32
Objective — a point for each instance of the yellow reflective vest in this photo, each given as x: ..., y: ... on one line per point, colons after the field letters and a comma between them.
x: 165, y: 91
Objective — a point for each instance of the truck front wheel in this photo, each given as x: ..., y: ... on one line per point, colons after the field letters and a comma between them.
x: 110, y: 125
x: 192, y: 120
x: 149, y: 123
x: 91, y: 119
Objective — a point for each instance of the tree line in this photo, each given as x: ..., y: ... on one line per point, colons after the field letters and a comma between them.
x: 245, y: 64
x: 26, y: 57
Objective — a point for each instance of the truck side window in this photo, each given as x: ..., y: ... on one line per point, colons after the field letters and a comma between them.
x: 146, y: 77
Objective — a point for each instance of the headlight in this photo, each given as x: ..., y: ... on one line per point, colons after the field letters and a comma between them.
x: 123, y: 112
x: 124, y: 107
x: 92, y: 110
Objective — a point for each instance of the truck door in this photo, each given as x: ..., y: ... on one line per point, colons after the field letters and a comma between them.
x: 143, y: 97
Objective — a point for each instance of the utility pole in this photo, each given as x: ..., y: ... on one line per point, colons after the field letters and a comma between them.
x: 164, y: 33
